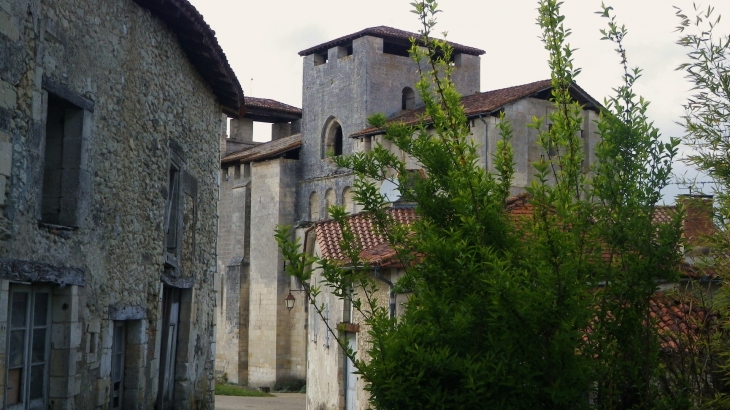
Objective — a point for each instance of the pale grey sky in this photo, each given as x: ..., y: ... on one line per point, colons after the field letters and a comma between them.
x: 261, y: 40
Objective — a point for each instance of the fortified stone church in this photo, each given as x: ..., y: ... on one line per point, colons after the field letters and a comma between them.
x: 292, y: 179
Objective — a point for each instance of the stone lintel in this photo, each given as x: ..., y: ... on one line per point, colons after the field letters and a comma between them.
x: 126, y: 312
x: 182, y: 283
x: 64, y: 92
x: 38, y: 272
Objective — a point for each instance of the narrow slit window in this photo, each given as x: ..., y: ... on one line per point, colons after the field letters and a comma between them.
x: 61, y: 165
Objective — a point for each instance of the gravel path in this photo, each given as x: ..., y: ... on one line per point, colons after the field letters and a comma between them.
x: 282, y: 401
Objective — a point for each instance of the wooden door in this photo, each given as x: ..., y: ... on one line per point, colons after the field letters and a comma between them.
x: 168, y: 347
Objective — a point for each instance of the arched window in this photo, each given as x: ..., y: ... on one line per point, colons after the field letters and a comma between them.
x: 348, y: 201
x: 313, y: 207
x: 408, y: 99
x: 330, y: 200
x: 332, y: 138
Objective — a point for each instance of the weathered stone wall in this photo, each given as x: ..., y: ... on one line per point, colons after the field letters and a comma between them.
x: 348, y: 89
x: 485, y: 134
x: 271, y: 345
x: 146, y: 100
x: 326, y: 380
x: 233, y: 266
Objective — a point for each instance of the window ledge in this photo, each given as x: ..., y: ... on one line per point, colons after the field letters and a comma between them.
x: 61, y: 230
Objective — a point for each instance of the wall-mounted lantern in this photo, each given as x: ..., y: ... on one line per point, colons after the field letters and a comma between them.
x: 289, y: 301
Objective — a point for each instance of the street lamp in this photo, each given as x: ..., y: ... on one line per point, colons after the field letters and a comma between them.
x: 289, y: 300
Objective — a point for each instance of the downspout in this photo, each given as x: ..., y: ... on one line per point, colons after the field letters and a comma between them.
x: 390, y: 287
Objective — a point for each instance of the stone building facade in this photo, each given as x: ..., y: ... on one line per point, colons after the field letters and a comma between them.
x: 110, y: 117
x: 344, y: 81
x: 260, y: 343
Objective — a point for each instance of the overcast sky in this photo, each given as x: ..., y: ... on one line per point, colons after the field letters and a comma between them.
x: 262, y: 38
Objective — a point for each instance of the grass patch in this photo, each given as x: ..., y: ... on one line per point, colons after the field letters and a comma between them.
x: 234, y: 390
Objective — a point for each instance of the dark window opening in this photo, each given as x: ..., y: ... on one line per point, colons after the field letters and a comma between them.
x: 349, y: 49
x: 338, y: 142
x: 28, y: 345
x: 173, y: 210
x: 408, y: 99
x: 367, y: 143
x: 320, y: 58
x: 402, y: 50
x: 293, y: 154
x: 552, y: 148
x: 61, y: 162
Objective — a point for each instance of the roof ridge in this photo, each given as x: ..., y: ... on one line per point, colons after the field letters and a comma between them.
x: 385, y: 32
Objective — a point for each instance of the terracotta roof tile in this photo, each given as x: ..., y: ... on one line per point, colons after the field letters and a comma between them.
x: 265, y: 150
x: 486, y: 103
x: 679, y: 319
x: 273, y: 105
x: 375, y: 250
x: 198, y: 41
x: 385, y: 33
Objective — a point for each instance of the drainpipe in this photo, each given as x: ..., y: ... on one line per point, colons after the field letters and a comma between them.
x: 390, y: 286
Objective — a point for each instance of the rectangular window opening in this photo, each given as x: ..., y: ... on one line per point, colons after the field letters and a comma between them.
x: 173, y: 202
x: 320, y: 58
x: 367, y: 143
x: 396, y: 49
x: 28, y: 347
x: 61, y: 162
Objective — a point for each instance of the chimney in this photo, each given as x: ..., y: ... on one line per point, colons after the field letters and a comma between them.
x: 698, y: 218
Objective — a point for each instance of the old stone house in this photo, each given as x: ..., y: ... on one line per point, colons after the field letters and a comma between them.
x: 110, y: 117
x: 292, y: 180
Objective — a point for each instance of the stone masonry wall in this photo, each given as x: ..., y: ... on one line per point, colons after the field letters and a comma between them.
x: 272, y: 349
x: 348, y: 89
x: 146, y: 99
x: 233, y: 260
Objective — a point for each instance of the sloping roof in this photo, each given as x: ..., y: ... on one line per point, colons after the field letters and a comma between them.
x: 265, y: 150
x: 387, y: 33
x: 269, y: 104
x: 489, y: 102
x: 375, y: 249
x: 198, y: 41
x: 267, y: 110
x: 679, y: 320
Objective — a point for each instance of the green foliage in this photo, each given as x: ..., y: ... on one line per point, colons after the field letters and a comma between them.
x: 542, y: 312
x: 707, y: 125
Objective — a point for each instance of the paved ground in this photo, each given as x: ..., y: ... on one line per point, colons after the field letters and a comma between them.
x: 282, y: 401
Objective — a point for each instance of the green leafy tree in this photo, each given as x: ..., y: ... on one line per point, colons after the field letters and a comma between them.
x: 547, y: 312
x: 707, y: 125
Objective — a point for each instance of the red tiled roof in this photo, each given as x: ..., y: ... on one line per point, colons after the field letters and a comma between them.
x: 265, y: 150
x: 486, y: 103
x: 198, y: 41
x: 375, y: 250
x: 273, y: 105
x: 679, y: 320
x: 387, y: 33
